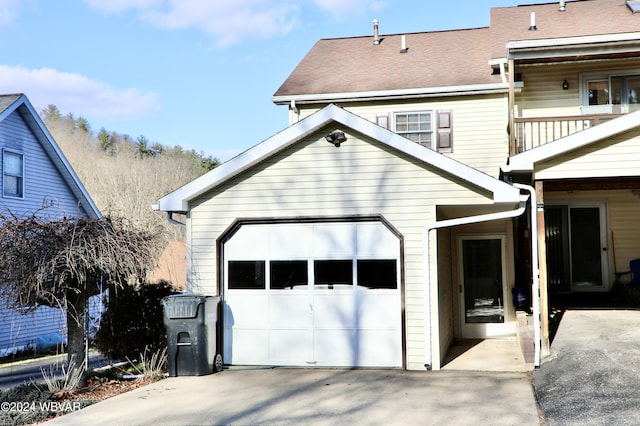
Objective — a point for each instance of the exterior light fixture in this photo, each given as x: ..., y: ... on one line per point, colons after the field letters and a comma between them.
x: 565, y: 85
x: 336, y: 138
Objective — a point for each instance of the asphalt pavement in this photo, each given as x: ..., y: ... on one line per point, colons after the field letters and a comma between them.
x: 27, y: 371
x: 289, y: 396
x: 592, y: 376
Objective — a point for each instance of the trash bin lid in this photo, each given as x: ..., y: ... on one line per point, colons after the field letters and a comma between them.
x: 182, y: 305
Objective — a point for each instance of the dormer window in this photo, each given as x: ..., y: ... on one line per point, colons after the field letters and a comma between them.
x: 12, y: 174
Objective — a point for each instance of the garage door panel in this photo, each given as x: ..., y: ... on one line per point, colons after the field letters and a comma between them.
x: 245, y: 311
x: 333, y: 310
x: 245, y: 346
x: 248, y: 243
x: 379, y: 310
x: 380, y: 348
x: 375, y: 241
x: 337, y: 348
x: 333, y: 241
x: 283, y: 246
x: 290, y: 347
x: 289, y: 311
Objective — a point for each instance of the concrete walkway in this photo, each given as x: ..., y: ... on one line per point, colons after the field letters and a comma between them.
x: 592, y: 376
x: 322, y: 397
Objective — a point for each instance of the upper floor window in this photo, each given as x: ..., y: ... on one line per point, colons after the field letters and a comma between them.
x: 12, y: 174
x: 415, y: 126
x: 431, y: 129
x: 613, y: 93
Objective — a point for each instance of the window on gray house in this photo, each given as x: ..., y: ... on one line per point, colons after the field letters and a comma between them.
x: 12, y: 174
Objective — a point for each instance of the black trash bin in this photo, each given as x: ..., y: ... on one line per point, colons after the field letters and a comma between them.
x: 191, y: 322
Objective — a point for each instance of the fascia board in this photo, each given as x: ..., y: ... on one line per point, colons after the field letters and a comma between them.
x: 178, y: 200
x: 472, y: 89
x: 582, y: 45
x: 568, y: 41
x: 526, y: 161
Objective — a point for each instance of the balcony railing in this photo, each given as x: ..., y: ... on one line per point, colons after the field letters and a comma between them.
x: 532, y: 132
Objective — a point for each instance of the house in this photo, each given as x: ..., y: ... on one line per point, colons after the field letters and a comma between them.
x: 447, y: 134
x: 35, y: 174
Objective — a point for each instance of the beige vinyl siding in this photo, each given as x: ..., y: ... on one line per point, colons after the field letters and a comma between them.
x: 622, y: 217
x: 542, y: 94
x: 314, y: 178
x: 608, y: 158
x: 479, y: 125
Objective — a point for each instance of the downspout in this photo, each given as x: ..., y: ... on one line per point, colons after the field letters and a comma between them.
x: 427, y: 280
x: 295, y: 109
x: 172, y: 221
x: 535, y: 272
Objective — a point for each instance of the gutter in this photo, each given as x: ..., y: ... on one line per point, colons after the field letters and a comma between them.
x: 427, y: 270
x: 425, y: 92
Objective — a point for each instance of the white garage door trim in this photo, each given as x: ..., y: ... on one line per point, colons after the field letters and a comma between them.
x: 325, y: 321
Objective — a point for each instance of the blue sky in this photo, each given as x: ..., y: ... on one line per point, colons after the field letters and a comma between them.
x: 195, y: 73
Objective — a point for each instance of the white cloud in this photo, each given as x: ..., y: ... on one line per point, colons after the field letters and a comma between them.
x: 228, y: 22
x: 234, y: 21
x: 77, y: 94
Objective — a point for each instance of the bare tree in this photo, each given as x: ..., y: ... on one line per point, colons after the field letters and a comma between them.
x: 61, y: 262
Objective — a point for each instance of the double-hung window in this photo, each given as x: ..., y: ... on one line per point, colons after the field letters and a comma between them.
x: 12, y: 174
x: 415, y: 126
x: 431, y: 129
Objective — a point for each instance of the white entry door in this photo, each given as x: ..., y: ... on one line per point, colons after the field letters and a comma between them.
x: 325, y: 294
x: 483, y: 290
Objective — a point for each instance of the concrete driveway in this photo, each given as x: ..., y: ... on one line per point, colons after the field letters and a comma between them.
x: 322, y: 397
x: 592, y: 376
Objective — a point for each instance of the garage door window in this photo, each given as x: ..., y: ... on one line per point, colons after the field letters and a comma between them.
x: 246, y: 275
x: 333, y: 274
x: 288, y: 274
x: 378, y: 274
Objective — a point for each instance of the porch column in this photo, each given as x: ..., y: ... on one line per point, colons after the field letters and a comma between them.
x: 511, y: 108
x: 542, y: 260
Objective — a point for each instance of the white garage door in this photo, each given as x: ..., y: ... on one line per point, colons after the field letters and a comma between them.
x: 323, y: 294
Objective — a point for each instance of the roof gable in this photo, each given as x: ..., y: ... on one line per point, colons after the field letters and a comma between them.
x: 178, y: 200
x: 526, y: 161
x: 19, y: 104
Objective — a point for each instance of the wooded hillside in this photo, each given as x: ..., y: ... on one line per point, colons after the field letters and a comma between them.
x: 125, y: 176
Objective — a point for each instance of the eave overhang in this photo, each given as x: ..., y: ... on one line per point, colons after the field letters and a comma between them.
x: 399, y: 94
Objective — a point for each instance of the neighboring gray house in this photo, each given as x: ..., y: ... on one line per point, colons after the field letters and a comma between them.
x: 34, y: 173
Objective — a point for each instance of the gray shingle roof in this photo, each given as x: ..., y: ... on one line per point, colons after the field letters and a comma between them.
x: 433, y: 59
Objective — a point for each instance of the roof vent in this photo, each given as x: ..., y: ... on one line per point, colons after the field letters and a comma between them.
x: 376, y: 35
x: 563, y: 6
x: 403, y: 44
x: 533, y: 27
x: 634, y: 5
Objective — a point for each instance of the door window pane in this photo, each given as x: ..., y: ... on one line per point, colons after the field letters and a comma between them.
x: 287, y: 274
x: 246, y: 275
x: 599, y: 92
x: 378, y: 274
x: 586, y: 265
x: 482, y: 264
x: 333, y: 274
